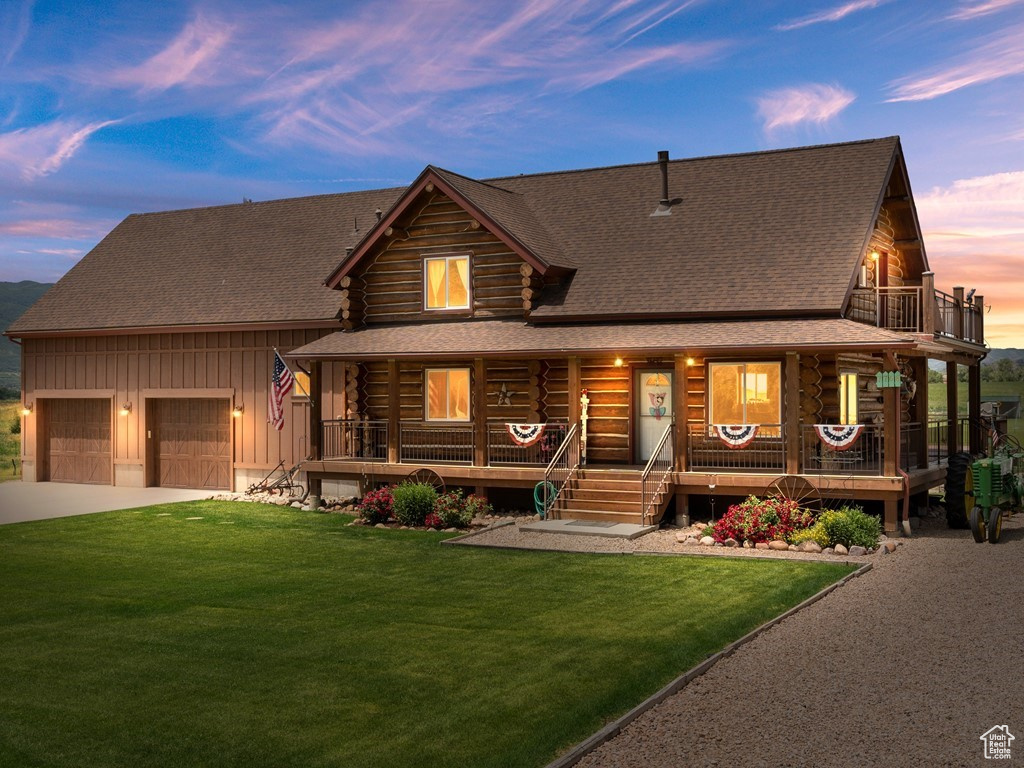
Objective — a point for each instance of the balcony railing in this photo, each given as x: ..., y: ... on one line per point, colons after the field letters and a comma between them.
x: 767, y: 451
x: 901, y: 308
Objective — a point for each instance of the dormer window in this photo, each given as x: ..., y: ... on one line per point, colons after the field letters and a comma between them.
x: 446, y: 282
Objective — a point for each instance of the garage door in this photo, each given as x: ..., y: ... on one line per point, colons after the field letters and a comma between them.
x: 78, y: 441
x: 192, y: 440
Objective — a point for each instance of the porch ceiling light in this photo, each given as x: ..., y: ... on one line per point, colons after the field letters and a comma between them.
x: 126, y: 408
x: 618, y: 362
x: 690, y: 361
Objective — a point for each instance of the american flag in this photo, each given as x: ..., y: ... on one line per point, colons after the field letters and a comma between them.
x: 281, y: 382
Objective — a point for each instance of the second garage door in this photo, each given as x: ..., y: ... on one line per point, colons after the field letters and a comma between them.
x: 192, y: 442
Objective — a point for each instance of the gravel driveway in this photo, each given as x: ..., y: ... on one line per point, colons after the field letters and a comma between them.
x: 907, y: 665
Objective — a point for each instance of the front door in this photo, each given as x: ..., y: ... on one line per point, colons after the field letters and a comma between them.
x: 652, y: 399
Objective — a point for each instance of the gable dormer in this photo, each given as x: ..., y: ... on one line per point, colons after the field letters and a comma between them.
x: 450, y: 247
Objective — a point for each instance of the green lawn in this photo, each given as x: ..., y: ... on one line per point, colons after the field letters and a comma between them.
x: 10, y: 443
x: 262, y: 636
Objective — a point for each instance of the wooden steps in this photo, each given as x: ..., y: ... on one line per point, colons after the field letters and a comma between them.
x: 606, y: 495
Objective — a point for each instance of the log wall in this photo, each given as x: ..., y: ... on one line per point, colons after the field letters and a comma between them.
x: 389, y: 287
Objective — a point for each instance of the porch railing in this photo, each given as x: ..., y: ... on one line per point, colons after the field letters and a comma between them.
x: 654, y: 480
x: 938, y: 439
x: 502, y: 450
x: 435, y: 443
x: 354, y: 439
x: 864, y: 457
x: 766, y: 452
x: 560, y: 470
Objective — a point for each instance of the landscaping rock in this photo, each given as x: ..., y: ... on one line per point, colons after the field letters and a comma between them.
x: 748, y: 544
x: 380, y: 525
x: 730, y: 542
x: 689, y: 541
x: 889, y: 546
x: 856, y: 551
x: 761, y: 545
x: 793, y: 548
x: 841, y: 550
x: 707, y: 541
x: 810, y: 546
x: 682, y: 537
x: 828, y: 551
x: 778, y: 545
x: 451, y: 530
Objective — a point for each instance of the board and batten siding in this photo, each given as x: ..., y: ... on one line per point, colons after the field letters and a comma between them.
x: 133, y: 368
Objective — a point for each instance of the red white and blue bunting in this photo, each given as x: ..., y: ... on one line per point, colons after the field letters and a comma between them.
x: 736, y: 435
x: 839, y: 437
x: 525, y: 434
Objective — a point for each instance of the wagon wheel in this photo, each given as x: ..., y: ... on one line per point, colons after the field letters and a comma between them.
x: 799, y: 489
x: 427, y: 477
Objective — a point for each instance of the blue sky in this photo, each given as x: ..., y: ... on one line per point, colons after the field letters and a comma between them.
x: 109, y: 107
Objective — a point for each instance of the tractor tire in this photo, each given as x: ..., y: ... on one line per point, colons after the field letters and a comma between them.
x: 978, y: 524
x: 995, y: 524
x: 956, y: 484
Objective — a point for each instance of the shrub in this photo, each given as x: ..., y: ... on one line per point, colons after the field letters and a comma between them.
x: 453, y: 510
x: 377, y: 506
x: 850, y: 526
x: 478, y: 506
x: 413, y: 502
x: 16, y: 426
x: 758, y: 520
x: 433, y: 520
x: 815, y: 533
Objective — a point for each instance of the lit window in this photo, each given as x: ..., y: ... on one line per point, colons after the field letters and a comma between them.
x: 447, y: 394
x: 301, y: 388
x: 848, y: 398
x: 446, y: 282
x: 745, y: 393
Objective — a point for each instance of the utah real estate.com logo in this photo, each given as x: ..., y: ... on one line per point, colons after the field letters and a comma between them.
x: 997, y: 742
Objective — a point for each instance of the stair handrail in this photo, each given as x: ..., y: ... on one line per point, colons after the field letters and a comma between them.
x: 562, y: 468
x: 661, y: 463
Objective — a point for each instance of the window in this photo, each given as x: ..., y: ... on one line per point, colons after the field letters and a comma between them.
x: 745, y: 393
x: 446, y: 282
x: 447, y: 394
x: 848, y: 398
x: 301, y: 388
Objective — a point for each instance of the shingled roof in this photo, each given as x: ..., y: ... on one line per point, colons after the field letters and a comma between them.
x: 765, y: 233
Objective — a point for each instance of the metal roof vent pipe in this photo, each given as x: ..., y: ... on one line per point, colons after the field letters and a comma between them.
x: 665, y: 204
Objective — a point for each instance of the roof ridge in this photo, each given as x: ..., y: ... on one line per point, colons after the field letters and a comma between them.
x: 218, y: 206
x: 779, y: 150
x: 482, y: 182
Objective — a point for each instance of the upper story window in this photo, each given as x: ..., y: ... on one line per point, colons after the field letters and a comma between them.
x: 446, y: 282
x: 745, y: 393
x: 301, y: 388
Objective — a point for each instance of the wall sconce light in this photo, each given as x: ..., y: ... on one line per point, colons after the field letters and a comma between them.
x: 236, y: 412
x: 26, y: 409
x: 618, y: 362
x: 126, y: 408
x: 875, y: 255
x: 690, y: 361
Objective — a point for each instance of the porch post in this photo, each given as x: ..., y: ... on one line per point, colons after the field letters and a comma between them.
x: 952, y: 438
x: 792, y: 413
x: 890, y: 449
x: 394, y: 410
x: 958, y: 297
x: 316, y: 401
x: 679, y: 409
x: 575, y: 378
x: 919, y: 413
x: 480, y: 412
x: 974, y: 407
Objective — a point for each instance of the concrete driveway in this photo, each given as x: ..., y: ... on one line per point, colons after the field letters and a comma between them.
x: 21, y: 501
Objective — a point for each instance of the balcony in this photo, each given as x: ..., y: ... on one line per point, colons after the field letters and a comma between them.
x: 919, y: 309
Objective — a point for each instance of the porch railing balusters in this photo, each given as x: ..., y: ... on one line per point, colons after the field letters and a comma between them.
x: 354, y: 439
x: 424, y: 443
x: 501, y: 450
x: 561, y: 469
x: 653, y: 481
x: 766, y: 452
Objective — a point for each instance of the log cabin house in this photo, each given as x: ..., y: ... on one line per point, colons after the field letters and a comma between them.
x: 644, y: 337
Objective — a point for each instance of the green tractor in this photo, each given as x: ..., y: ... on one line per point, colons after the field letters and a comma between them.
x: 980, y: 490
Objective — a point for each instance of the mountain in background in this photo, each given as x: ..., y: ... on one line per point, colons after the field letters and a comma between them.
x: 993, y: 355
x: 15, y: 298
